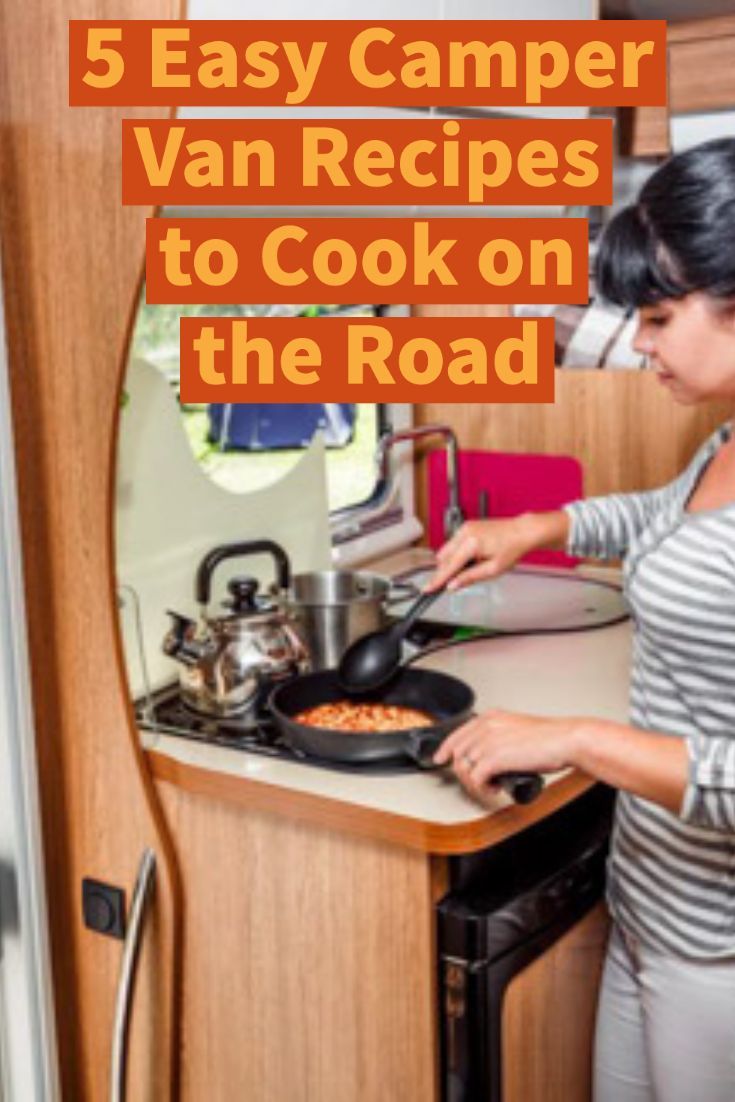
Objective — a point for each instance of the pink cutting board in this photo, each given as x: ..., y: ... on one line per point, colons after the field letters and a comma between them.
x: 514, y: 484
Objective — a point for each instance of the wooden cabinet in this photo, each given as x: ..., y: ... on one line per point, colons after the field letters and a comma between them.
x: 311, y: 970
x: 307, y: 960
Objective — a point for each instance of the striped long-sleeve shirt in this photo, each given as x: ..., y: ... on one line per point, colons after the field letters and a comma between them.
x: 671, y: 878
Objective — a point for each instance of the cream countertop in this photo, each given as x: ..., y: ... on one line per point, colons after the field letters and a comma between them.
x: 584, y: 673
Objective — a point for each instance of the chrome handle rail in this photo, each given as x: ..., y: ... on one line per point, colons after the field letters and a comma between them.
x: 123, y: 1002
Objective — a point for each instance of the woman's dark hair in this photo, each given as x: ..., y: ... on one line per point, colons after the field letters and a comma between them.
x: 680, y: 235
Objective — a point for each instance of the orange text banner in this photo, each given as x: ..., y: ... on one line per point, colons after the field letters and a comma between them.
x: 367, y: 360
x: 367, y: 161
x: 453, y: 62
x: 358, y: 260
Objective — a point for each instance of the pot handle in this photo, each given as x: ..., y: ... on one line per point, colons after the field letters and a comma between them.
x: 203, y: 580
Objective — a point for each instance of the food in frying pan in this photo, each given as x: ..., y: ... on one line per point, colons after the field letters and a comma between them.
x: 347, y: 715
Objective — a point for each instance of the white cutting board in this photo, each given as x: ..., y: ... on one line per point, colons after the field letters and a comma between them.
x: 169, y: 514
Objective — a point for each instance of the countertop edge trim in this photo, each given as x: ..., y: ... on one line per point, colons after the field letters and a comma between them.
x: 441, y: 839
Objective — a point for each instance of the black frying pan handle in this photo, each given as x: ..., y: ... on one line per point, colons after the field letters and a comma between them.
x: 203, y: 581
x: 522, y: 787
x: 421, y: 747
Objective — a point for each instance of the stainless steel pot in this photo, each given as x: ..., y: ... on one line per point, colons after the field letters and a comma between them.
x: 333, y: 608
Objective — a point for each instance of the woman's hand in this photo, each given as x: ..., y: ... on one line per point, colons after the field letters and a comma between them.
x: 649, y: 764
x: 486, y: 548
x: 504, y: 742
x: 490, y: 546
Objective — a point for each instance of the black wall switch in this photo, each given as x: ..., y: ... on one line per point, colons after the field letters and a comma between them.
x: 103, y: 908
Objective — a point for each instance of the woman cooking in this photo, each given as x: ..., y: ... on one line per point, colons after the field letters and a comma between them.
x: 666, y: 1018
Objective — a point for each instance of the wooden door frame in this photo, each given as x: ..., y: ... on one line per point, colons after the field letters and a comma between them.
x: 72, y: 258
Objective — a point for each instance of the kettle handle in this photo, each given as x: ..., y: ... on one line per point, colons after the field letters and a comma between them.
x: 203, y: 581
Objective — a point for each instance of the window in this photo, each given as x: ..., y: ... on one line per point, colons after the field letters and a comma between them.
x: 247, y: 446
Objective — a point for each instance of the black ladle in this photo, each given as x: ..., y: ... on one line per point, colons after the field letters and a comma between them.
x: 371, y: 661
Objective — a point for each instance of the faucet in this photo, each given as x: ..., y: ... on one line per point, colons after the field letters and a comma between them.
x: 453, y: 515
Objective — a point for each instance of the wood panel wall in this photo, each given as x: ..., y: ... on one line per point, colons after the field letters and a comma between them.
x: 72, y: 262
x: 623, y: 426
x: 702, y: 64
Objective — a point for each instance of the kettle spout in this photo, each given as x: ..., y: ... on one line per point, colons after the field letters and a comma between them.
x: 179, y: 642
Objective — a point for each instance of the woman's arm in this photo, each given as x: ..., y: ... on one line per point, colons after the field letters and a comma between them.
x: 693, y: 777
x: 646, y: 763
x: 599, y: 527
x: 651, y: 765
x: 604, y: 527
x: 709, y: 800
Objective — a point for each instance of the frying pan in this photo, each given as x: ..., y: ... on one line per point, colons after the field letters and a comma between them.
x: 446, y: 698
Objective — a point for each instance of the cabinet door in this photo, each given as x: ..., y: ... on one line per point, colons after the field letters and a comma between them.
x: 549, y: 1018
x: 72, y: 261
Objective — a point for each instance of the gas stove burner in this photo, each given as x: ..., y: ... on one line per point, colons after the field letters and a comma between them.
x: 167, y: 714
x: 229, y: 726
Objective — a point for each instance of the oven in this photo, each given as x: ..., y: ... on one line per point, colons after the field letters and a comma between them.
x: 521, y: 936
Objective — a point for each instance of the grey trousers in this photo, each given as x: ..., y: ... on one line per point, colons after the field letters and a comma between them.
x: 665, y: 1027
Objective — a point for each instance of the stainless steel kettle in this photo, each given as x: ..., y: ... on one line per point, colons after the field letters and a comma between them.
x: 228, y: 664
